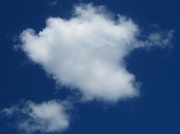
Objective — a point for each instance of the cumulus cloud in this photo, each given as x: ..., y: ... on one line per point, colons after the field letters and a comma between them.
x: 46, y: 117
x: 87, y: 51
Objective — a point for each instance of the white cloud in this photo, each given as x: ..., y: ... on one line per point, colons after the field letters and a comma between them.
x: 87, y: 52
x: 46, y: 117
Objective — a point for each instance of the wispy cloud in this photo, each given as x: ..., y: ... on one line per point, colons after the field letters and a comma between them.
x: 87, y: 52
x: 53, y: 3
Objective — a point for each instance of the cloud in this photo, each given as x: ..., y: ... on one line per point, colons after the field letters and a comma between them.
x: 160, y: 38
x: 46, y: 117
x: 87, y: 51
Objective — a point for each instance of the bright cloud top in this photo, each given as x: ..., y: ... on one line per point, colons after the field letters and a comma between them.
x: 87, y: 51
x: 45, y: 117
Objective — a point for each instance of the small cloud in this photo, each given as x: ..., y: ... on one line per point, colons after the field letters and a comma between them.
x: 46, y: 117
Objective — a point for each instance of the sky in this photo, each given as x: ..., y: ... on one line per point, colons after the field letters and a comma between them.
x: 89, y: 67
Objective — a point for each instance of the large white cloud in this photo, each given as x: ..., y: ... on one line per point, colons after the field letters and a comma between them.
x: 87, y: 52
x: 46, y: 117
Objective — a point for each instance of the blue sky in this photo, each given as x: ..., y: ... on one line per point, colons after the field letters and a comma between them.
x: 71, y: 67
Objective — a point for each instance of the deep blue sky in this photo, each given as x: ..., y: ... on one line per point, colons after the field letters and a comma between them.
x: 156, y: 111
